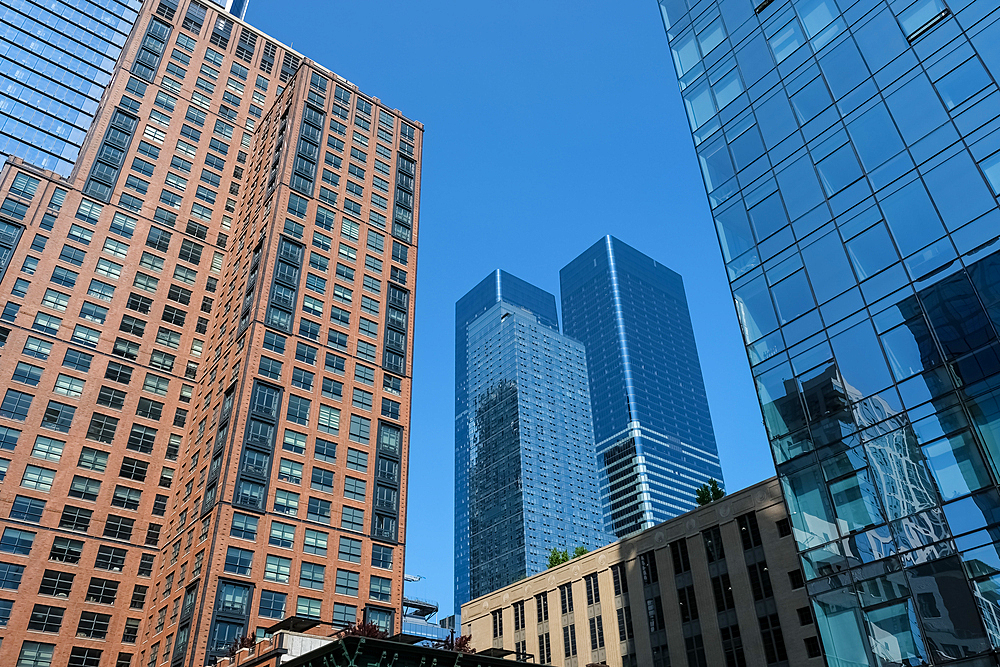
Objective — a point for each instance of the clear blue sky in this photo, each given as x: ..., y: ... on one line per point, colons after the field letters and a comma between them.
x: 548, y: 124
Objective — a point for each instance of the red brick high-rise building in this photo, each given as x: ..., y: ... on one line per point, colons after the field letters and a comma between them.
x: 206, y: 357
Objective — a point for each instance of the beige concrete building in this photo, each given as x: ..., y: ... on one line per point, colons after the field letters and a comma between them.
x: 701, y: 589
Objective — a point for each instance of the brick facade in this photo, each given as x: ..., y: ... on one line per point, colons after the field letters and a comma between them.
x: 206, y: 356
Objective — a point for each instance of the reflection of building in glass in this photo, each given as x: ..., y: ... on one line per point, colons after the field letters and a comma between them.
x: 524, y: 444
x: 852, y: 169
x: 655, y: 442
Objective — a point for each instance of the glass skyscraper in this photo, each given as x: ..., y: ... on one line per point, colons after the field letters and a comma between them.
x: 525, y: 475
x: 655, y: 443
x: 56, y: 59
x: 850, y: 155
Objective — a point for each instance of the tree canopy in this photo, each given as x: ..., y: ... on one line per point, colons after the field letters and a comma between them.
x: 707, y: 493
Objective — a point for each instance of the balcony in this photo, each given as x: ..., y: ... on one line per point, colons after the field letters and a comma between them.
x: 251, y: 469
x: 233, y: 607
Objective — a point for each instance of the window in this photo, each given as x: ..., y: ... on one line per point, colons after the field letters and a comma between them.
x: 68, y: 386
x: 146, y: 565
x: 56, y: 584
x: 272, y: 604
x: 380, y: 589
x: 325, y: 450
x: 58, y: 416
x: 322, y: 480
x: 350, y: 550
x: 133, y: 469
x: 347, y: 583
x: 749, y: 530
x: 302, y: 379
x: 318, y: 510
x: 15, y: 541
x: 315, y: 542
x: 760, y: 581
x: 10, y: 576
x: 282, y: 535
x: 45, y: 618
x: 77, y: 360
x: 102, y: 591
x: 102, y: 428
x: 352, y: 519
x: 244, y: 526
x: 126, y: 498
x: 294, y: 442
x: 84, y: 488
x: 354, y: 488
x: 39, y: 479
x: 286, y: 502
x: 344, y: 614
x: 92, y: 459
x: 311, y: 575
x: 93, y: 625
x: 15, y: 403
x: 298, y: 409
x: 118, y: 527
x: 35, y: 347
x: 8, y: 440
x: 382, y: 557
x: 27, y: 374
x: 569, y: 640
x: 27, y: 509
x: 65, y: 550
x: 679, y: 554
x: 55, y: 300
x: 34, y: 654
x: 774, y: 644
x: 126, y: 349
x: 329, y: 420
x: 360, y: 430
x: 277, y: 569
x: 270, y: 368
x: 238, y: 561
x: 64, y: 277
x: 362, y: 399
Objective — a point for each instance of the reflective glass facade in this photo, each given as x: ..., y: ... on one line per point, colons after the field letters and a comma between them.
x: 849, y: 151
x: 525, y: 475
x: 655, y: 443
x: 56, y: 59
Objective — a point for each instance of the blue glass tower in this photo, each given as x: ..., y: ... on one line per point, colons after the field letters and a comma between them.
x: 655, y: 443
x: 525, y: 476
x: 851, y: 158
x: 56, y: 58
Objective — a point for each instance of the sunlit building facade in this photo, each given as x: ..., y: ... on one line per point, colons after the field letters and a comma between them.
x: 525, y: 474
x: 655, y: 442
x: 717, y: 586
x: 207, y: 350
x: 56, y: 59
x: 851, y: 164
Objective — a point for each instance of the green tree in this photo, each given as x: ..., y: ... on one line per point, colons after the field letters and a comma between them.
x: 579, y: 551
x: 707, y: 493
x: 557, y: 557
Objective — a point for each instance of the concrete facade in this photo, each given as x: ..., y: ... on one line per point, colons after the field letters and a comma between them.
x: 205, y: 419
x: 701, y: 589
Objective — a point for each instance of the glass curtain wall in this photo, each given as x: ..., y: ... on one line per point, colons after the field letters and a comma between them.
x: 851, y: 158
